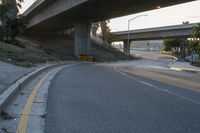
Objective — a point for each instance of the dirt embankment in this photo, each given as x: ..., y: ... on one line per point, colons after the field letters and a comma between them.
x: 27, y: 56
x: 43, y: 48
x: 62, y: 47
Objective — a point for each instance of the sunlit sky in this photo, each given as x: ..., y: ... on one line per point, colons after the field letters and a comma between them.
x: 160, y: 17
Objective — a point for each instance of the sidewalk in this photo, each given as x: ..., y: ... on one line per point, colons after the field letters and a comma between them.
x: 184, y: 66
x: 9, y: 74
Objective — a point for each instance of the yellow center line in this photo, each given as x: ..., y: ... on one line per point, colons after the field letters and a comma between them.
x: 27, y: 109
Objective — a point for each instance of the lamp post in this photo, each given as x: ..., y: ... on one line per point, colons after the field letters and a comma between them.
x: 129, y: 21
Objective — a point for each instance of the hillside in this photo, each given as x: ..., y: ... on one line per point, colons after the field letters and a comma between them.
x: 43, y: 48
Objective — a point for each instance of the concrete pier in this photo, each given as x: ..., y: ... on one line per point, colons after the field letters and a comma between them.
x: 126, y: 46
x: 82, y: 38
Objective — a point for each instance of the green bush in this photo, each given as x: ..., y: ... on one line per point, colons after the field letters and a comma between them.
x: 14, y: 42
x: 10, y: 29
x: 6, y: 54
x: 173, y: 44
x: 195, y: 42
x: 5, y: 37
x: 3, y: 33
x: 168, y: 45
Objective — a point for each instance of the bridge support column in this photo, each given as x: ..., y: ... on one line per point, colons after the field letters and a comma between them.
x: 82, y: 38
x: 126, y: 47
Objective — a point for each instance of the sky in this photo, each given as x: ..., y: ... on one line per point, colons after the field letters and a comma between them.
x: 173, y: 15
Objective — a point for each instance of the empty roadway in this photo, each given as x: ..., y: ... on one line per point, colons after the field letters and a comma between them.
x: 105, y: 98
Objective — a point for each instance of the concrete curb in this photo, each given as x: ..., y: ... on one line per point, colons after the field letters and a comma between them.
x: 182, y: 69
x: 8, y: 94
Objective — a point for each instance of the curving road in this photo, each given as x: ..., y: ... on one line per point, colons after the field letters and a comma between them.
x: 143, y: 96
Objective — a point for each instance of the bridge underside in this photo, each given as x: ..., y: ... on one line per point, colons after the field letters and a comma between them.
x: 160, y: 36
x: 175, y: 33
x: 95, y: 10
x: 127, y: 46
x: 55, y: 16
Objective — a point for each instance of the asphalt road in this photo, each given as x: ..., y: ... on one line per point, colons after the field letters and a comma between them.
x: 123, y: 98
x: 154, y: 66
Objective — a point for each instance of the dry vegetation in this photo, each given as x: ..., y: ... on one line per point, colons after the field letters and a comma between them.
x: 40, y: 49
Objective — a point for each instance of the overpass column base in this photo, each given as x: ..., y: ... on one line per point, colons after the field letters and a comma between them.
x: 126, y: 47
x: 82, y: 38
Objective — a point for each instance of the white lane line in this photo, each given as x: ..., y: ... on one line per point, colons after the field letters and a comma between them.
x: 143, y: 82
x: 122, y: 73
x: 155, y: 87
x: 183, y: 97
x: 177, y: 95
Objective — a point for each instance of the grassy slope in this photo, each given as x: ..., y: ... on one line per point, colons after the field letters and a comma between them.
x: 62, y: 47
x: 44, y: 48
x: 106, y: 53
x: 23, y: 56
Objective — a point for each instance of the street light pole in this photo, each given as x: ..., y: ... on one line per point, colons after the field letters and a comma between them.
x: 129, y: 21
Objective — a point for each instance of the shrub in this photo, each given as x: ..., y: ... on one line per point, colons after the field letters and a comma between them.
x: 195, y: 42
x: 14, y: 42
x: 2, y: 33
x: 173, y: 44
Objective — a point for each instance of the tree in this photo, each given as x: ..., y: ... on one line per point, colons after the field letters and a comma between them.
x: 16, y: 26
x: 106, y: 31
x: 14, y: 3
x: 173, y: 45
x: 148, y: 45
x: 196, y: 31
x: 95, y: 27
x: 10, y: 13
x: 11, y: 22
x: 195, y: 42
x: 168, y: 45
x: 186, y: 22
x: 4, y: 8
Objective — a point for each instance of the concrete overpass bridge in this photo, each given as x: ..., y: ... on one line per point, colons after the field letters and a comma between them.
x: 50, y: 16
x: 158, y: 33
